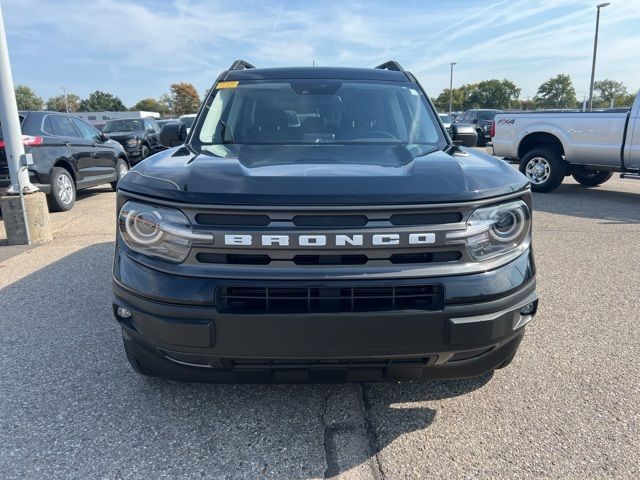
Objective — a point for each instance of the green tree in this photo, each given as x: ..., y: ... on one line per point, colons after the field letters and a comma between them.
x: 100, y: 101
x: 442, y: 101
x: 150, y: 105
x: 494, y: 94
x: 185, y: 98
x: 557, y: 92
x: 57, y: 104
x: 166, y: 101
x: 610, y: 90
x: 27, y: 99
x: 625, y: 100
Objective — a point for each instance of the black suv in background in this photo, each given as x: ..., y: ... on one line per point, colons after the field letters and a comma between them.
x: 138, y: 136
x: 481, y: 119
x: 68, y: 155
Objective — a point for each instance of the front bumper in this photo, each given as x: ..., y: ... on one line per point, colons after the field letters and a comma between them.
x: 176, y: 331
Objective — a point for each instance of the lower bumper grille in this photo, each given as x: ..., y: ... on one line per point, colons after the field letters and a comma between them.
x: 327, y: 299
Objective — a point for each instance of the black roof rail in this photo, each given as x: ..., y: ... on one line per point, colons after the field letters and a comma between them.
x: 240, y: 65
x: 391, y: 65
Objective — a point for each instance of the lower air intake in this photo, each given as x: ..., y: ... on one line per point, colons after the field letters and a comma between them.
x: 284, y: 299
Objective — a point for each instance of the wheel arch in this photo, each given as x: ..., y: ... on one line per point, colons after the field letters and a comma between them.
x: 540, y: 139
x: 124, y: 157
x: 62, y: 163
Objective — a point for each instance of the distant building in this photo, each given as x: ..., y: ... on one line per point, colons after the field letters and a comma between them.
x: 103, y: 117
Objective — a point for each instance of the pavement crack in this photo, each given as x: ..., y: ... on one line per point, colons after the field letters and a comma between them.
x: 372, y: 437
x: 330, y: 453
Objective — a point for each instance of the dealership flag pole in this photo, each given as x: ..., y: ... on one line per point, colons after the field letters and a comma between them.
x: 26, y: 214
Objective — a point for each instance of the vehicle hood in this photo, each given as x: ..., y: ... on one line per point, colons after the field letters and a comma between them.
x: 322, y: 175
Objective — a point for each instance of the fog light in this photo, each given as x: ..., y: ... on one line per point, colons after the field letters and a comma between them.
x: 123, y: 312
x: 528, y: 309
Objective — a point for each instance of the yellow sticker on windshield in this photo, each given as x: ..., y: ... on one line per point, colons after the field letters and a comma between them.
x: 221, y: 85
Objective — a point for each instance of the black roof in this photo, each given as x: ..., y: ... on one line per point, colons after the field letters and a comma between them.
x: 317, y: 72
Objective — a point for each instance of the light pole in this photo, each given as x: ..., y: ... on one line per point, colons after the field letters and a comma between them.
x: 595, y: 49
x: 66, y: 103
x: 24, y: 209
x: 451, y: 88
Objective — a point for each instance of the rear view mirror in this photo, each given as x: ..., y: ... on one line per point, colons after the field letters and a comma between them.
x: 173, y: 134
x: 464, y: 134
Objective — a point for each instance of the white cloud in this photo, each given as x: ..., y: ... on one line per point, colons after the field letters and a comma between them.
x: 137, y: 48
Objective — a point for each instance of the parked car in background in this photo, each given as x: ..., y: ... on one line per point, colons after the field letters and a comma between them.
x: 68, y: 155
x: 163, y: 121
x: 138, y: 136
x: 446, y: 121
x: 590, y: 146
x: 454, y: 115
x: 482, y: 119
x: 188, y: 120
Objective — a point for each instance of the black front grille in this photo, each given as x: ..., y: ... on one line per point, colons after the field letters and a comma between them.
x: 331, y: 221
x: 326, y: 299
x: 346, y: 259
x: 221, y: 219
x: 434, y: 218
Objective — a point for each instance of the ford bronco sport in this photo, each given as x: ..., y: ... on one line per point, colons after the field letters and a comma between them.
x: 319, y: 224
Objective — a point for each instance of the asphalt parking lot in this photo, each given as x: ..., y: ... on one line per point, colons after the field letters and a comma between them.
x: 567, y: 407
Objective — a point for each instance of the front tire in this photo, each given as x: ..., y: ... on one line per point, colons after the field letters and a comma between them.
x: 63, y: 190
x: 122, y: 168
x: 590, y: 178
x: 545, y: 169
x: 481, y: 142
x: 145, y: 152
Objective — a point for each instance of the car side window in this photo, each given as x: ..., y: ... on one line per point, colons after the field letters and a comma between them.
x: 62, y: 126
x: 150, y: 125
x: 87, y: 131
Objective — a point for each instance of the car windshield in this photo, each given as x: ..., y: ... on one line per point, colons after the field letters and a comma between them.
x: 188, y: 121
x: 488, y: 115
x: 446, y: 119
x: 318, y: 112
x: 20, y: 118
x: 129, y: 125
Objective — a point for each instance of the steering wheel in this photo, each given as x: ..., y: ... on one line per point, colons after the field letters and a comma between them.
x: 378, y: 134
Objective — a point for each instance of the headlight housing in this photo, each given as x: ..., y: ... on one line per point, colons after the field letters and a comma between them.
x: 133, y: 142
x: 158, y: 232
x: 496, y: 230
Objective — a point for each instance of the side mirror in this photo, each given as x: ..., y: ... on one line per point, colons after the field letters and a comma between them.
x: 173, y: 134
x: 103, y: 137
x: 464, y: 134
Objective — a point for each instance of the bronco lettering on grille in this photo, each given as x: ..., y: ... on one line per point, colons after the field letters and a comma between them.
x: 329, y: 241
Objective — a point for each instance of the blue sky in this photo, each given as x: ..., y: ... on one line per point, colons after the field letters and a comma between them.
x: 137, y: 48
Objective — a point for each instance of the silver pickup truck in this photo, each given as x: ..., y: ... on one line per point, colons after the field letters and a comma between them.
x: 590, y: 146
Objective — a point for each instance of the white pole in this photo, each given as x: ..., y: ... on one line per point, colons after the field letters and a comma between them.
x: 451, y: 87
x: 10, y: 123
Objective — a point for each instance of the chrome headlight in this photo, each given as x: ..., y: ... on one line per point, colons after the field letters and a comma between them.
x: 496, y: 230
x: 159, y: 232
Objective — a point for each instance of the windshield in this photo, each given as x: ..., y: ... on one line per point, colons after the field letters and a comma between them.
x: 20, y: 119
x: 446, y: 119
x: 319, y: 112
x: 129, y: 125
x: 487, y: 115
x: 188, y: 121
